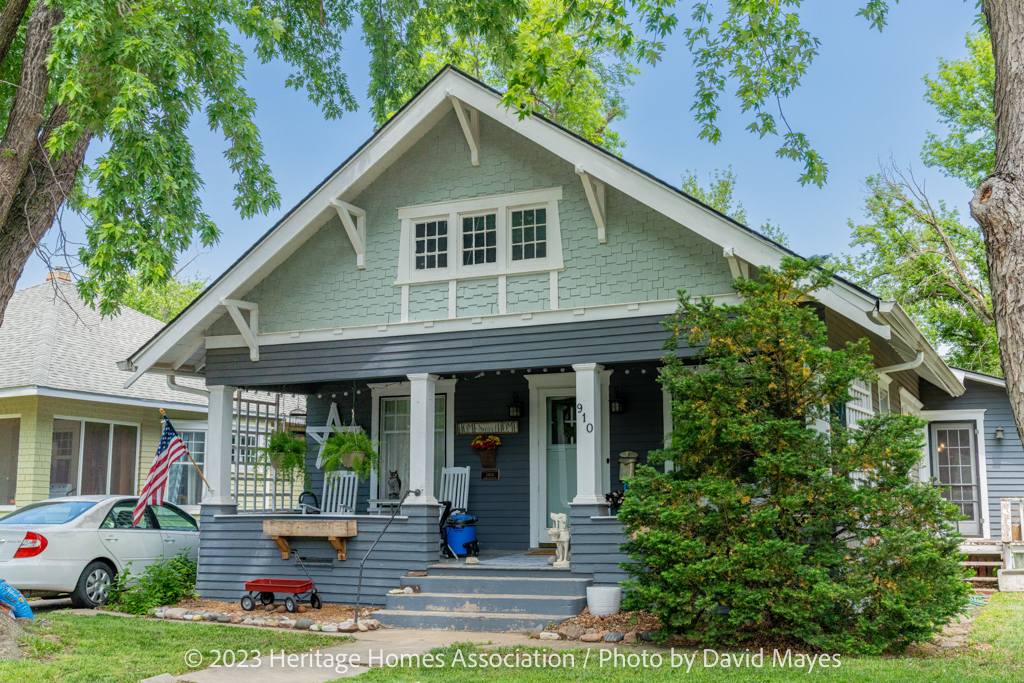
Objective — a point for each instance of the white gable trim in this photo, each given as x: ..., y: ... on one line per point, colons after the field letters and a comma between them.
x: 394, y: 139
x: 101, y: 398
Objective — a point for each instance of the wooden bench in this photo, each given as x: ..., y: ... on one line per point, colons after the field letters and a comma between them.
x: 334, y: 530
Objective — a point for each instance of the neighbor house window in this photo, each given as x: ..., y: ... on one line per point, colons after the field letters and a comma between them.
x: 184, y: 485
x: 431, y: 245
x: 529, y: 234
x: 479, y: 239
x: 10, y: 432
x: 93, y: 458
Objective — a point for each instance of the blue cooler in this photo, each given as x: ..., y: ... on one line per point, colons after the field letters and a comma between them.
x: 460, y: 530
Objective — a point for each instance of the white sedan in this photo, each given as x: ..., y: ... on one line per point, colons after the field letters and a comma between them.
x: 78, y: 544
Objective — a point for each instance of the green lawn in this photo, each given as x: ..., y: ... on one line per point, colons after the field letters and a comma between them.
x: 108, y: 649
x: 999, y: 630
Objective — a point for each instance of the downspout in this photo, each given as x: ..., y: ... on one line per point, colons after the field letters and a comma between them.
x: 174, y: 386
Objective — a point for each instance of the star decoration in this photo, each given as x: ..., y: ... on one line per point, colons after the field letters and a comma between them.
x: 320, y: 434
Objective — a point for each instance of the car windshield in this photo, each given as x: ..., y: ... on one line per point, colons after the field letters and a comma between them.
x: 48, y: 512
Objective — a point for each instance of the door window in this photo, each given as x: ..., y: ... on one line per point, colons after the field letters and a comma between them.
x: 10, y: 429
x: 120, y: 517
x: 394, y: 444
x: 184, y: 485
x: 172, y: 519
x: 956, y: 472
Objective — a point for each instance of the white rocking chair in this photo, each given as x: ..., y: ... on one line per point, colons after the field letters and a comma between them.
x: 339, y: 495
x: 455, y: 486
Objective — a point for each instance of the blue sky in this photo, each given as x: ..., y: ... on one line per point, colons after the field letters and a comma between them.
x: 860, y: 103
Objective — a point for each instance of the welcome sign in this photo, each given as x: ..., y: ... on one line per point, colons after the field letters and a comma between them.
x: 507, y: 427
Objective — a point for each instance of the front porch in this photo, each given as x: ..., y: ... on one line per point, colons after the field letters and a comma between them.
x: 560, y: 457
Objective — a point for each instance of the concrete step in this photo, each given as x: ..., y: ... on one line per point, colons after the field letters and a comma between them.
x: 466, y: 621
x: 483, y: 570
x: 482, y: 585
x: 510, y: 604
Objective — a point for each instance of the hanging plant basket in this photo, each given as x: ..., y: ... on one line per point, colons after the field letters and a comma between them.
x: 488, y: 458
x: 349, y: 459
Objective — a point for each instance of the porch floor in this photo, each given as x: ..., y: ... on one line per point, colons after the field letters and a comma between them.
x: 501, y: 559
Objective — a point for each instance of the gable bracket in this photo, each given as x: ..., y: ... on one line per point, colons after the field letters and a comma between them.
x: 354, y: 220
x: 738, y: 266
x: 248, y: 330
x: 595, y: 196
x: 469, y: 119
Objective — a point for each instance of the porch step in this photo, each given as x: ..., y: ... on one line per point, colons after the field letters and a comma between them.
x: 465, y: 621
x: 489, y: 598
x: 482, y: 603
x: 482, y: 585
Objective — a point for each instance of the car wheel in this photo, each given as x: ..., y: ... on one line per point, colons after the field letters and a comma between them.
x: 93, y: 587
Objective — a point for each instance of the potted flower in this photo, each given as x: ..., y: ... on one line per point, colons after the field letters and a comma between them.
x: 286, y: 453
x: 614, y: 500
x: 352, y: 450
x: 487, y: 448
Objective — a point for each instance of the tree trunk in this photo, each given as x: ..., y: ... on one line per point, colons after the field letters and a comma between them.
x: 10, y: 20
x: 26, y: 115
x: 998, y: 204
x: 43, y: 190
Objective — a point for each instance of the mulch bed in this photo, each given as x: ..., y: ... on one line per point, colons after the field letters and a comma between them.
x: 329, y: 613
x: 623, y: 622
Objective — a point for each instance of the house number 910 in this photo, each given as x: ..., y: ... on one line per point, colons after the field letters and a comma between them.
x: 583, y: 418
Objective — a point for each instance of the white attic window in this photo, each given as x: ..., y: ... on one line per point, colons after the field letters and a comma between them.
x: 859, y: 406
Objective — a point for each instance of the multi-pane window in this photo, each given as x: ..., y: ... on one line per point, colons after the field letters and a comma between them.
x: 431, y: 245
x: 479, y: 239
x: 859, y: 406
x: 529, y: 234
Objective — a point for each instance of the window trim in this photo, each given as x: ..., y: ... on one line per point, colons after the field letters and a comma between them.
x: 81, y: 448
x: 500, y: 205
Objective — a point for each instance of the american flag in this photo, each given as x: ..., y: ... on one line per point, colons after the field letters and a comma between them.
x: 170, y: 450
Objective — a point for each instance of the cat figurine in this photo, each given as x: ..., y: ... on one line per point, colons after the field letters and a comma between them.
x: 394, y: 485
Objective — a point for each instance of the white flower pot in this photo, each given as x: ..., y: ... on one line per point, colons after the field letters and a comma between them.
x: 604, y: 601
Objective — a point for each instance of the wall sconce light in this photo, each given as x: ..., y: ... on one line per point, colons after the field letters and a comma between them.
x: 999, y: 432
x: 515, y: 408
x: 617, y: 404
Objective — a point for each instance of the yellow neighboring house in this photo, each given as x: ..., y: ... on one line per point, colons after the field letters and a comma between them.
x: 67, y: 424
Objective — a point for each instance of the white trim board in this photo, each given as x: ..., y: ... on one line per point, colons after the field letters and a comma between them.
x: 978, y: 417
x: 100, y: 398
x: 419, y: 115
x: 487, y: 322
x: 541, y: 388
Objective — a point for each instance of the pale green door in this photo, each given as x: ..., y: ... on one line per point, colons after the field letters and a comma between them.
x: 561, y: 456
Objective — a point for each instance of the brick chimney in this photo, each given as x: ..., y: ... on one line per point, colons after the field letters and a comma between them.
x: 58, y: 274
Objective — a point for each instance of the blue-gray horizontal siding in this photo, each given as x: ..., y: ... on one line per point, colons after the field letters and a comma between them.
x: 595, y: 548
x: 602, y: 341
x: 233, y: 550
x: 1004, y: 457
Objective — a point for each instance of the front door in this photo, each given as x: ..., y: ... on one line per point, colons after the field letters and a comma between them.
x: 561, y: 457
x: 955, y: 469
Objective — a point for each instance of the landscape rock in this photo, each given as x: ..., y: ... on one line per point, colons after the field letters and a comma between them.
x: 303, y: 624
x: 571, y: 632
x: 315, y: 627
x: 235, y: 619
x: 363, y: 628
x: 224, y: 619
x: 591, y: 630
x: 408, y: 590
x: 286, y: 623
x: 591, y: 638
x: 301, y: 609
x: 629, y: 638
x: 270, y: 608
x: 329, y: 628
x: 248, y: 622
x: 210, y: 616
x: 548, y: 635
x: 648, y: 636
x: 281, y: 609
x: 348, y: 627
x: 614, y: 637
x: 175, y: 613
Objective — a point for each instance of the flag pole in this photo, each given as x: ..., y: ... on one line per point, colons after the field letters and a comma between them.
x: 163, y: 415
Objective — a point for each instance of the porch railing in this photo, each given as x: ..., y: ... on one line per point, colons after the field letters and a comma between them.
x: 1011, y: 513
x: 256, y: 485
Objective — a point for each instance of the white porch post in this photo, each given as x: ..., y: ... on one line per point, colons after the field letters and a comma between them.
x: 589, y: 435
x: 421, y: 438
x: 218, y: 446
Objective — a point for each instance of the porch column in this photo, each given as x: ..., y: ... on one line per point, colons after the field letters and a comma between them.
x: 589, y: 447
x: 421, y: 438
x: 218, y: 446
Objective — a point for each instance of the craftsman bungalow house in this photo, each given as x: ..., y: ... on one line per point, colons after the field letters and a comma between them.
x: 464, y: 266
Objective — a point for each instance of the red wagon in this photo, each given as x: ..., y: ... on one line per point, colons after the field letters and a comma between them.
x: 264, y: 589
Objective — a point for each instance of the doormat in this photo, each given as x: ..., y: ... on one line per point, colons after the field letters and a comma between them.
x: 542, y: 551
